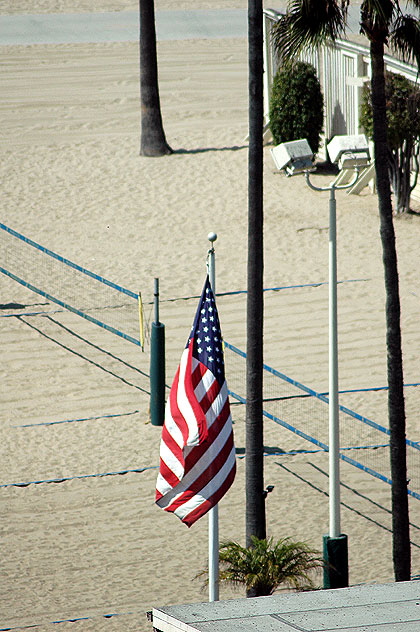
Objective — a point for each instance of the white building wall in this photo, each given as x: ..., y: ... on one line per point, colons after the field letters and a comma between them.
x: 342, y: 70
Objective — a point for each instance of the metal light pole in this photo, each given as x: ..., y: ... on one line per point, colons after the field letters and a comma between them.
x: 335, y: 543
x: 295, y: 157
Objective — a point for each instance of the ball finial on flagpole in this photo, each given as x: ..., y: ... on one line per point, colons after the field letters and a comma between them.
x: 211, y: 261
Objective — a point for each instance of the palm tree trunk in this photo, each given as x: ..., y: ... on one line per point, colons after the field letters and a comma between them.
x: 153, y: 141
x: 255, y: 502
x: 396, y: 406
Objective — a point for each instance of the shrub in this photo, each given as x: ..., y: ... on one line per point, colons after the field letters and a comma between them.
x: 297, y: 105
x: 403, y: 118
x: 267, y: 564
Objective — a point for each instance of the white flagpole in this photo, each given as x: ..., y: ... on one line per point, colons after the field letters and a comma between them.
x: 214, y: 511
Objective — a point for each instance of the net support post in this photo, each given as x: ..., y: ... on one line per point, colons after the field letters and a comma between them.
x: 336, y: 566
x: 157, y: 366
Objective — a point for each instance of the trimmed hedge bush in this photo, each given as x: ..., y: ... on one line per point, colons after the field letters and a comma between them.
x: 297, y: 105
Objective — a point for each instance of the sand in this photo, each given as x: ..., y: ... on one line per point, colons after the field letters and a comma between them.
x: 73, y: 181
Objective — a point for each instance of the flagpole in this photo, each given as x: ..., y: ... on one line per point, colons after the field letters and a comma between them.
x: 214, y: 511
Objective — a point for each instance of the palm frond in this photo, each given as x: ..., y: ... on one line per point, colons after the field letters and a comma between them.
x: 309, y: 23
x: 405, y: 37
x: 376, y: 17
x: 266, y: 565
x: 382, y: 10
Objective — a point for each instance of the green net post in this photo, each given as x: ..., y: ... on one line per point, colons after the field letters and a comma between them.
x: 336, y: 566
x: 157, y: 374
x: 157, y: 365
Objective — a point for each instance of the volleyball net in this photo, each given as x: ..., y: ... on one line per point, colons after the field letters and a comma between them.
x: 300, y: 412
x: 71, y: 286
x: 303, y: 419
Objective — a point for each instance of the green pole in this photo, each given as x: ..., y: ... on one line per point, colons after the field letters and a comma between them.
x: 336, y: 568
x: 157, y: 366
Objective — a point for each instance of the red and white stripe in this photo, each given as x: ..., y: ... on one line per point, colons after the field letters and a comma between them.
x: 197, y: 454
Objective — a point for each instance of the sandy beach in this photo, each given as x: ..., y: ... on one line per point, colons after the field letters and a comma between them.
x: 94, y: 551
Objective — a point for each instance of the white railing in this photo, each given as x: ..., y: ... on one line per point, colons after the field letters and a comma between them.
x: 342, y: 70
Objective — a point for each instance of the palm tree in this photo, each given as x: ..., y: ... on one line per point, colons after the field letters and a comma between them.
x: 153, y: 141
x: 309, y: 23
x: 255, y: 500
x: 267, y: 565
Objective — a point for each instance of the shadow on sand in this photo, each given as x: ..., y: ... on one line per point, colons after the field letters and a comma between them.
x: 204, y: 150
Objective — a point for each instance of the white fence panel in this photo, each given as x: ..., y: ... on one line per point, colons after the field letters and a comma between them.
x: 342, y: 70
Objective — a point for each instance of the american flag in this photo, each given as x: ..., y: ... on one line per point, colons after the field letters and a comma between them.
x: 197, y: 454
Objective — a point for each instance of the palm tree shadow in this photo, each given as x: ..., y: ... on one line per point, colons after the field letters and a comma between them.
x: 203, y: 150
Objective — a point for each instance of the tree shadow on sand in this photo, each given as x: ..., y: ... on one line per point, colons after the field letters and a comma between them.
x: 203, y: 150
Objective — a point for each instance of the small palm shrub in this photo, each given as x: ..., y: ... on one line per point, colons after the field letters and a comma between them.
x: 266, y: 565
x: 296, y: 105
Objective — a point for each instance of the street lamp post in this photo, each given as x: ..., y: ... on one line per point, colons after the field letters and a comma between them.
x: 294, y: 157
x: 335, y: 546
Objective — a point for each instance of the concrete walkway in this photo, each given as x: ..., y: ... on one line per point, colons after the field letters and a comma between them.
x: 61, y: 28
x: 123, y: 26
